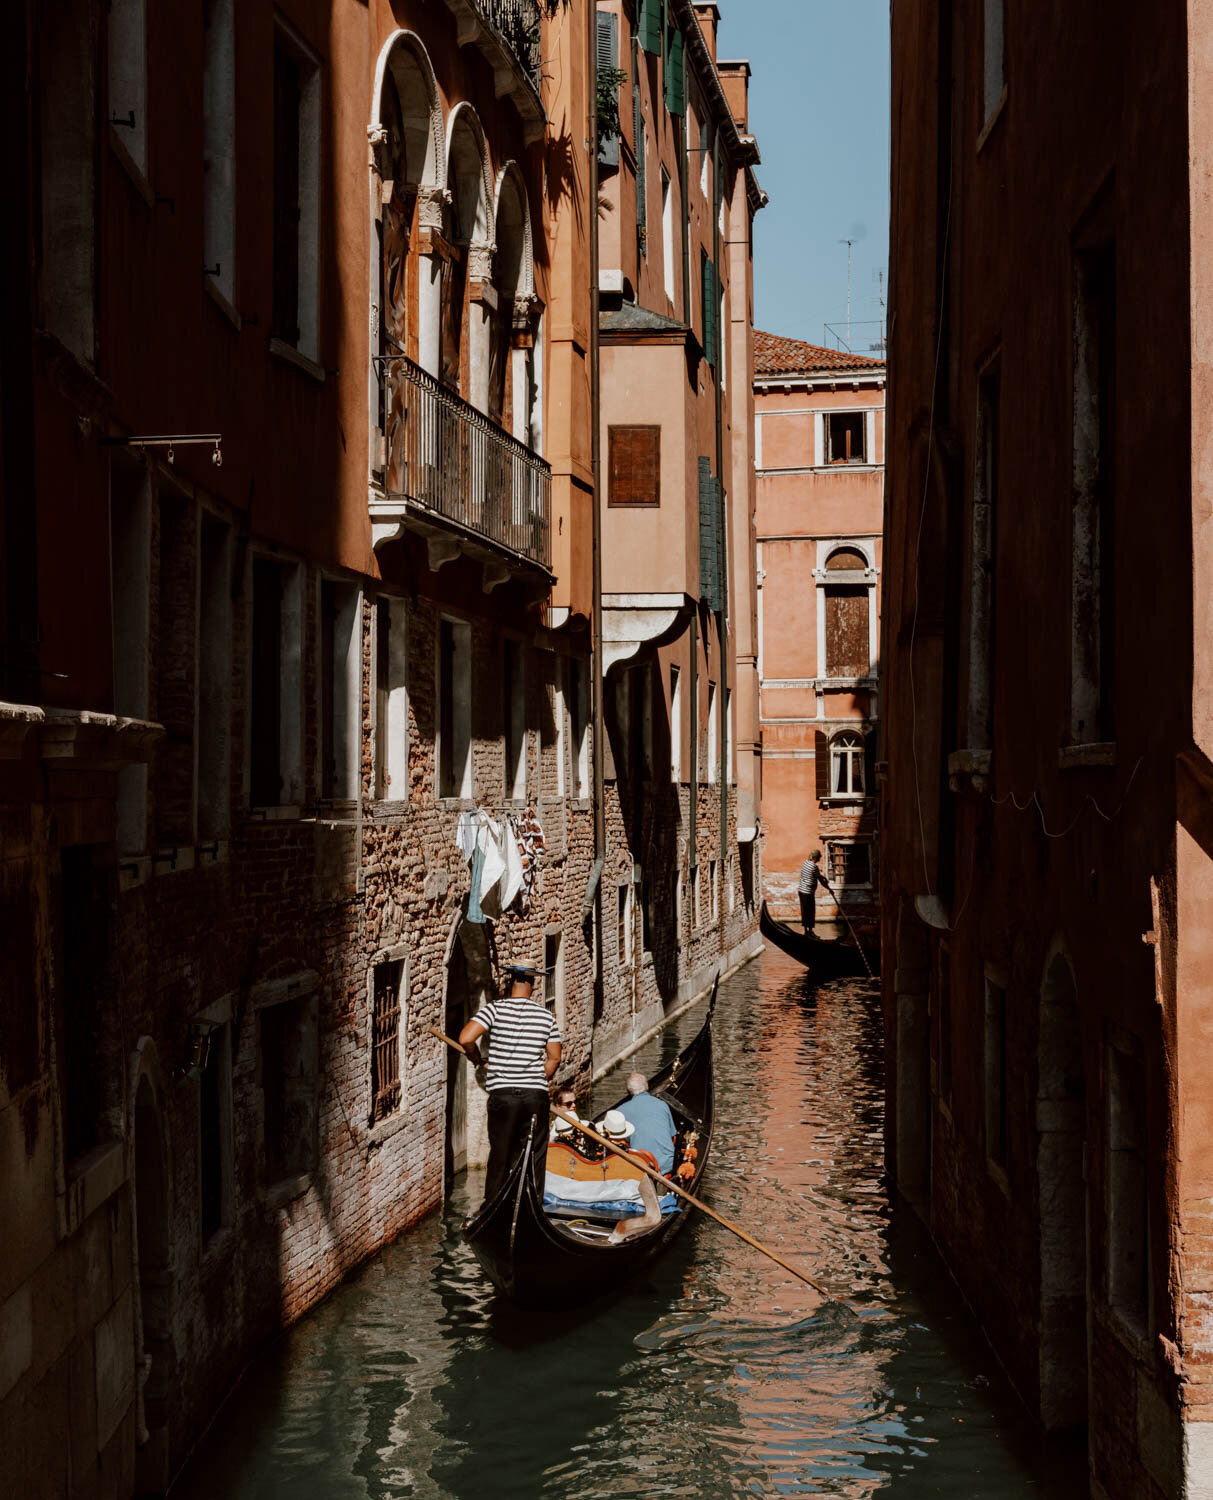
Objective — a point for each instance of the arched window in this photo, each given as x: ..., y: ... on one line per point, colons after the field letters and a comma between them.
x: 847, y: 764
x: 465, y: 350
x: 845, y: 614
x: 846, y: 560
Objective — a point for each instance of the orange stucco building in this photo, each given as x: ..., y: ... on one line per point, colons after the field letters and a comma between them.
x: 819, y: 457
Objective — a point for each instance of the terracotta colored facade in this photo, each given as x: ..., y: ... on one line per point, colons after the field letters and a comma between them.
x: 1046, y: 830
x: 298, y: 517
x: 819, y: 447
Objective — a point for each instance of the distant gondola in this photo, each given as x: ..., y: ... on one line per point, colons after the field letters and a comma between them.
x: 534, y: 1257
x: 825, y: 958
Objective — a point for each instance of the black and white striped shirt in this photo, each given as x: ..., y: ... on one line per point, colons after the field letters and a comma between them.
x: 519, y: 1033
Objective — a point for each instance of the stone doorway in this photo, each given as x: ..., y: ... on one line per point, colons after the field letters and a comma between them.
x: 469, y: 982
x: 1061, y: 1121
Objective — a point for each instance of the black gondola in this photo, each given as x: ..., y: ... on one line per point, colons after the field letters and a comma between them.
x: 535, y: 1258
x: 825, y: 958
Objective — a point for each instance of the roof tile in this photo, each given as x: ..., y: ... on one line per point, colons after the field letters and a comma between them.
x: 779, y: 356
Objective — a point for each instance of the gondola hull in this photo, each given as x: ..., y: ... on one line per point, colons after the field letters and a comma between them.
x: 825, y: 958
x: 533, y: 1260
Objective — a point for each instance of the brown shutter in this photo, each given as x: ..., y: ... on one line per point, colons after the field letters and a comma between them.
x: 634, y: 465
x: 823, y: 765
x: 847, y: 642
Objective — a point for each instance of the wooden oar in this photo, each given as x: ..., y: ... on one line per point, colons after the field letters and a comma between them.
x: 665, y: 1182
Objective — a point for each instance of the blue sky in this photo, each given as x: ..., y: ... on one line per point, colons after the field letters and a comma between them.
x: 819, y: 104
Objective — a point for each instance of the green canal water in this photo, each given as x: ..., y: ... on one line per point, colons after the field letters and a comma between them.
x: 715, y: 1374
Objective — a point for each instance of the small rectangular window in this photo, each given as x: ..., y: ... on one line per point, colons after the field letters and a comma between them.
x: 289, y: 1059
x: 635, y: 465
x: 714, y: 888
x: 454, y: 709
x: 846, y: 437
x: 296, y: 195
x: 695, y: 914
x: 850, y: 864
x: 391, y: 700
x: 385, y: 1043
x: 553, y: 977
x: 340, y: 690
x: 514, y: 715
x: 996, y: 1072
x: 624, y: 933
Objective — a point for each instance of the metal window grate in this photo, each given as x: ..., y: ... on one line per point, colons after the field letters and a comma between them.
x: 385, y: 1061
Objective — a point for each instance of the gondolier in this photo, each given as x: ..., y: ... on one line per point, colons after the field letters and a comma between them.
x: 811, y: 876
x: 524, y: 1053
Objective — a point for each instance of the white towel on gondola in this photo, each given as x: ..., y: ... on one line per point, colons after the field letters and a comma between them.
x: 591, y: 1190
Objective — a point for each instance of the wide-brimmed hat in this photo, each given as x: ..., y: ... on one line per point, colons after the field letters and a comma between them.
x: 565, y: 1127
x: 615, y: 1125
x: 523, y: 971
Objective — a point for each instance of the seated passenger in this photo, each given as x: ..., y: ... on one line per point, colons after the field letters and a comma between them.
x: 619, y: 1130
x: 655, y: 1129
x: 566, y: 1100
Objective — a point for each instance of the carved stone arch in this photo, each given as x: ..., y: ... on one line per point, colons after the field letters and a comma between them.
x: 470, y: 183
x: 405, y: 61
x: 515, y: 264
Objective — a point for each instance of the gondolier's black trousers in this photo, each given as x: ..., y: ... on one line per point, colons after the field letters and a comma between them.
x: 513, y: 1113
x: 808, y: 910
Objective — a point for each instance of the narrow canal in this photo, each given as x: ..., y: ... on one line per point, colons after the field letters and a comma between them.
x: 717, y: 1374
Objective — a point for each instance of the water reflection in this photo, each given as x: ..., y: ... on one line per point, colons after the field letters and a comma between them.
x: 716, y: 1373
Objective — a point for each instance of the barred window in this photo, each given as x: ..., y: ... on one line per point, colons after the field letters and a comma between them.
x: 385, y: 1058
x: 850, y: 864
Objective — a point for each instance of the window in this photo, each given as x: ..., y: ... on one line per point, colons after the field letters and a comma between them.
x: 275, y: 748
x: 514, y: 718
x: 850, y: 864
x: 667, y: 232
x: 340, y: 690
x: 728, y: 730
x: 847, y: 630
x: 1093, y: 599
x: 994, y: 67
x: 845, y: 433
x: 561, y: 713
x: 454, y: 709
x: 675, y: 725
x: 289, y: 1053
x: 296, y: 195
x: 730, y: 881
x: 84, y: 936
x: 580, y: 720
x: 713, y: 728
x: 640, y: 145
x: 996, y: 1072
x: 391, y: 700
x: 173, y: 769
x: 624, y: 933
x: 983, y: 564
x: 215, y: 1135
x: 695, y: 915
x: 219, y: 145
x: 635, y: 465
x: 847, y: 764
x: 130, y: 585
x: 607, y: 40
x: 709, y: 310
x: 128, y: 77
x: 705, y: 159
x: 214, y: 679
x: 714, y: 889
x: 387, y: 1004
x: 553, y: 975
x: 66, y: 39
x: 1128, y: 1186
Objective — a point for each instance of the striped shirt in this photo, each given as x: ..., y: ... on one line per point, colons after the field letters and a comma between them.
x: 519, y: 1033
x: 810, y: 874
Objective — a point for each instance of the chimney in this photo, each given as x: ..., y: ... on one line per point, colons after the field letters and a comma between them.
x: 735, y: 79
x: 708, y: 16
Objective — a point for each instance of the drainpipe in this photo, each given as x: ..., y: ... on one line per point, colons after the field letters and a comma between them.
x: 599, y: 683
x: 721, y: 521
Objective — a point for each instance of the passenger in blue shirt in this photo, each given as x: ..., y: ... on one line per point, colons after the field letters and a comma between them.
x: 655, y: 1128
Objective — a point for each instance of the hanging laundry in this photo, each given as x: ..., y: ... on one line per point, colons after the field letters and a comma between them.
x: 531, y: 845
x: 482, y: 842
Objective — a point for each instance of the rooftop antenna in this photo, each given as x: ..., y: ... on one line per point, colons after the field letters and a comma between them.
x: 848, y: 244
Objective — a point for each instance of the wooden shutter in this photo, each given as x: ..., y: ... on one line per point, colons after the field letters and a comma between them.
x: 648, y: 26
x: 608, y: 60
x: 675, y: 75
x: 847, y: 644
x: 709, y: 537
x: 822, y: 750
x: 634, y: 463
x: 870, y: 746
x: 710, y: 313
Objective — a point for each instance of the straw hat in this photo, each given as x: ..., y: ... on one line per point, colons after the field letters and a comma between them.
x: 615, y: 1125
x: 565, y: 1127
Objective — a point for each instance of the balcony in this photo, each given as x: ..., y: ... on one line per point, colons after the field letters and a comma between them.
x: 508, y: 33
x: 457, y: 478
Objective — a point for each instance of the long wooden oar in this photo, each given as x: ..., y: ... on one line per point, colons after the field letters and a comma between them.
x: 666, y: 1183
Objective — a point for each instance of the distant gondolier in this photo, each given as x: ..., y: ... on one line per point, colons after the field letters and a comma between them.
x: 524, y: 1053
x: 811, y: 876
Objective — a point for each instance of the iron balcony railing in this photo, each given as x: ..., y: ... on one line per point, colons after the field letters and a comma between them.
x: 517, y: 22
x: 449, y: 458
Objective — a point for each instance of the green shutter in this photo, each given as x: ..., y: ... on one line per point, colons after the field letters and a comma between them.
x: 638, y: 145
x: 648, y: 26
x: 709, y: 537
x: 710, y: 312
x: 608, y: 59
x: 675, y: 76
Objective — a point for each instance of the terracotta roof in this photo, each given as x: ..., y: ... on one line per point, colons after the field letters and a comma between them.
x: 778, y: 356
